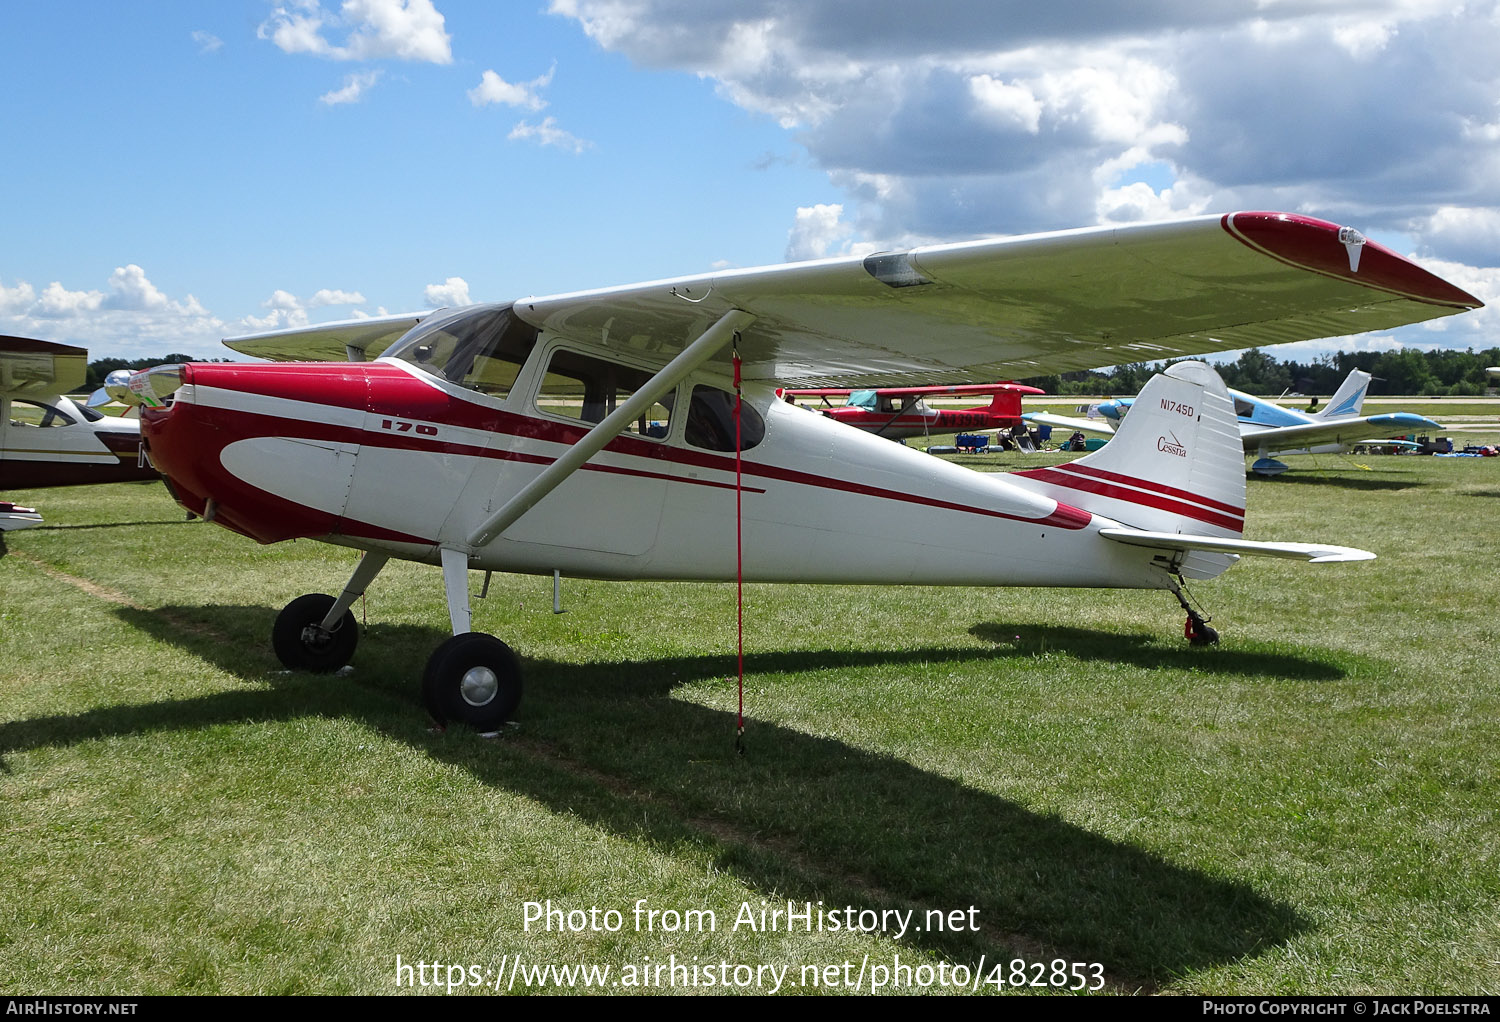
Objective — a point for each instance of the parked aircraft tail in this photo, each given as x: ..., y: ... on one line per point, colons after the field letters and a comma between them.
x: 1349, y: 399
x: 1174, y: 465
x: 1174, y: 478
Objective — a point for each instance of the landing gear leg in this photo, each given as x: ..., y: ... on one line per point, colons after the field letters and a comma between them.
x: 472, y: 678
x: 1195, y: 629
x: 317, y: 632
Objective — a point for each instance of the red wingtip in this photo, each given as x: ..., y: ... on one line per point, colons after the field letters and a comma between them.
x: 1324, y: 247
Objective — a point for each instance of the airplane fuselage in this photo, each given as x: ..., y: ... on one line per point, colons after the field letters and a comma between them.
x: 387, y: 456
x: 50, y: 441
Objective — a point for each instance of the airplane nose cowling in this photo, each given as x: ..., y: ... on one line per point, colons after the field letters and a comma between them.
x: 233, y: 449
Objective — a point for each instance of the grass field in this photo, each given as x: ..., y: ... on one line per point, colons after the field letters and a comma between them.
x: 1309, y: 807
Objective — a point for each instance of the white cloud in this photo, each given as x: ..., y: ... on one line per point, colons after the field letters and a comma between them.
x: 452, y: 292
x: 207, y: 42
x: 494, y: 89
x: 354, y: 87
x: 1464, y: 233
x: 1010, y: 105
x: 377, y: 29
x: 984, y: 119
x: 547, y: 133
x: 816, y: 230
x: 130, y: 317
x: 327, y: 296
x: 129, y: 289
x: 57, y: 302
x: 15, y: 300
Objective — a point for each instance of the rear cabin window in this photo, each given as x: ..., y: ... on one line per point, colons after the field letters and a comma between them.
x: 587, y: 388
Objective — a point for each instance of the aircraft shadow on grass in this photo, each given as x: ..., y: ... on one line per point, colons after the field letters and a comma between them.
x: 1345, y: 482
x: 1149, y: 650
x: 795, y: 816
x: 115, y: 525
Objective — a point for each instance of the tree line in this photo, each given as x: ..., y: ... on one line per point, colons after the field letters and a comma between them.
x: 1400, y: 371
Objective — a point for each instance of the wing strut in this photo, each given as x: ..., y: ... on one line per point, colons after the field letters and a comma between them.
x: 693, y: 356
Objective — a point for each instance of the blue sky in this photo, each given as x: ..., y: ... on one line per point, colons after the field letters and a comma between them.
x: 178, y: 172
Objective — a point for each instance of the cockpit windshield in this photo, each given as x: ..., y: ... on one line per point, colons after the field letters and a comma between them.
x: 481, y: 347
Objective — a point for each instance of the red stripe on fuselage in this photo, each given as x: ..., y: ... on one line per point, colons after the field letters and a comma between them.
x: 1162, y: 488
x: 1056, y: 477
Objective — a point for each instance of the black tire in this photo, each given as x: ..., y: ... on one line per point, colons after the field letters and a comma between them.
x: 472, y: 679
x: 300, y: 646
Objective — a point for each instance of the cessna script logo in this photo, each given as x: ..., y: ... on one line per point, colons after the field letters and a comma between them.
x: 1172, y: 446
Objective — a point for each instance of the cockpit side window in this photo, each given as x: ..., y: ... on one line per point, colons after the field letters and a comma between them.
x: 482, y: 348
x: 710, y: 421
x: 34, y: 413
x: 588, y: 388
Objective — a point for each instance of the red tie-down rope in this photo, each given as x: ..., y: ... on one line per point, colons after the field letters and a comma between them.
x: 739, y: 547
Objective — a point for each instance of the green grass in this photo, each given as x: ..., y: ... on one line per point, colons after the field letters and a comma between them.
x: 1307, y: 808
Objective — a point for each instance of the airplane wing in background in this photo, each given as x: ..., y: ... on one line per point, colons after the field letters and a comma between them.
x: 1001, y: 309
x: 32, y: 368
x: 328, y: 342
x: 1338, y: 431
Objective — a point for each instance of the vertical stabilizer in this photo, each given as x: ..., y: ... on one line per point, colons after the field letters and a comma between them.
x: 1175, y: 465
x: 1350, y: 397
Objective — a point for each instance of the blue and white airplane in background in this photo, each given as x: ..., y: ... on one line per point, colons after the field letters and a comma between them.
x: 1268, y: 429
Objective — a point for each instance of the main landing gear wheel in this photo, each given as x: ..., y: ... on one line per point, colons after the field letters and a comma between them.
x: 302, y: 644
x: 474, y: 679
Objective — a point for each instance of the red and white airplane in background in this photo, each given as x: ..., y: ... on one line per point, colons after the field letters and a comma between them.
x: 596, y: 433
x: 900, y: 412
x: 46, y: 439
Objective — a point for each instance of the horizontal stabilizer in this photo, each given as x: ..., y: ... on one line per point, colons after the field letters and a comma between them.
x: 1069, y: 422
x: 1315, y: 553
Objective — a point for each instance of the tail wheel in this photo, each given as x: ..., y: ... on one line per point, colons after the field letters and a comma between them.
x: 472, y: 679
x: 1198, y: 632
x: 301, y: 642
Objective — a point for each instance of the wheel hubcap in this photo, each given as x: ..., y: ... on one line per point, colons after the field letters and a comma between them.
x: 315, y: 638
x: 479, y: 685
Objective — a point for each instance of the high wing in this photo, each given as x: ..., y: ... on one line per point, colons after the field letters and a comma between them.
x: 1026, y: 306
x: 1000, y: 309
x: 328, y: 342
x: 1337, y: 431
x: 32, y: 368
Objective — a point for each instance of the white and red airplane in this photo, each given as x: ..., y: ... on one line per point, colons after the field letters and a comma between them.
x: 596, y: 433
x: 46, y: 439
x: 900, y: 412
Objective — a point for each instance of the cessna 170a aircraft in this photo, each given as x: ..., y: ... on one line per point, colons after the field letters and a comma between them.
x: 596, y: 433
x: 900, y: 412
